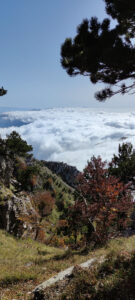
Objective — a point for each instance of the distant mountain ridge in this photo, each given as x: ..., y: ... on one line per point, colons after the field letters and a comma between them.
x: 66, y: 172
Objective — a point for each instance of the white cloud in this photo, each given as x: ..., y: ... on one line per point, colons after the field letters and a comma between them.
x: 71, y: 135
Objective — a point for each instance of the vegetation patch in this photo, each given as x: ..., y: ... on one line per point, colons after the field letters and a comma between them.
x: 113, y: 278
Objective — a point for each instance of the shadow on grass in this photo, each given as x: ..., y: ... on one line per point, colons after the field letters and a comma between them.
x: 42, y: 252
x: 66, y: 255
x: 14, y: 279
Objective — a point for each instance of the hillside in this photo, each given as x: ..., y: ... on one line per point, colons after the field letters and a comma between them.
x: 66, y: 172
x: 32, y: 198
x: 111, y: 275
x: 48, y: 225
x: 27, y: 263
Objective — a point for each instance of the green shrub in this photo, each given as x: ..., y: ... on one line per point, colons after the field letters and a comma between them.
x: 27, y: 177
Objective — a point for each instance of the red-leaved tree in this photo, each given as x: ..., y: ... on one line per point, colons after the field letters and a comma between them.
x: 103, y: 200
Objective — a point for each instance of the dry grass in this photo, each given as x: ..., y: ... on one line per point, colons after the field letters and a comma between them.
x: 21, y: 262
x: 112, y: 279
x: 26, y: 263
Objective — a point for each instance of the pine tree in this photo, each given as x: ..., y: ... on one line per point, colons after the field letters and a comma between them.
x: 103, y: 53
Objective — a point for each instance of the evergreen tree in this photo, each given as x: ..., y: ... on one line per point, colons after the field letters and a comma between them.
x: 103, y: 53
x: 17, y: 145
x: 123, y: 164
x: 3, y: 91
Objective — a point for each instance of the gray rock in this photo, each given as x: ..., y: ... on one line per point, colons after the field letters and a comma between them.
x: 18, y: 217
x: 60, y: 276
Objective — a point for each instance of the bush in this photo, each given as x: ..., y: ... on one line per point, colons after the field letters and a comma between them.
x: 45, y: 203
x: 27, y: 176
x: 57, y: 241
x: 40, y: 237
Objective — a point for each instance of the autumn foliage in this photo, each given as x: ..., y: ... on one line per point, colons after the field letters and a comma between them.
x: 45, y: 203
x: 102, y: 200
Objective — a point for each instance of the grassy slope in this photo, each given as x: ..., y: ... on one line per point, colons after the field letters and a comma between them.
x: 23, y: 264
x: 26, y: 263
x: 63, y: 197
x: 63, y: 192
x: 112, y: 279
x: 47, y: 181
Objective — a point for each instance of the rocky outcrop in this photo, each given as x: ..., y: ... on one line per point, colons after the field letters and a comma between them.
x: 23, y: 180
x: 17, y: 215
x: 66, y: 172
x: 6, y: 169
x: 40, y: 291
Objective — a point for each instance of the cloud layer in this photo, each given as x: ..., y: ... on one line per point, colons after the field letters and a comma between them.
x: 71, y: 135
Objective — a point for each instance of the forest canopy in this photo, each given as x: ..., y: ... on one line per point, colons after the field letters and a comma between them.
x: 104, y: 53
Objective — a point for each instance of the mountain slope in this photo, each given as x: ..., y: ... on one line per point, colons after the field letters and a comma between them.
x: 32, y: 198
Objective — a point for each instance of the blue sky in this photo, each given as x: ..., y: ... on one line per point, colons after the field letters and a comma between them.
x: 31, y: 34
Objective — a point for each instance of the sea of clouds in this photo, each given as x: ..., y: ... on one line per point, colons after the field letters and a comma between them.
x: 71, y: 135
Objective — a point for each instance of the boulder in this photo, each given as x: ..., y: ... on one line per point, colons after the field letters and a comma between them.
x: 17, y: 215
